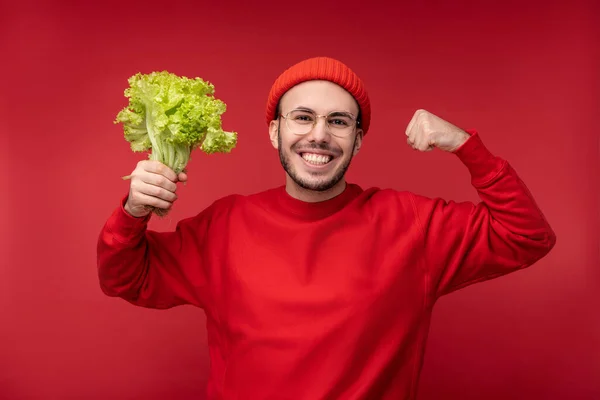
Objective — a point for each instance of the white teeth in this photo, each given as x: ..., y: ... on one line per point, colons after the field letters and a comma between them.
x: 318, y: 159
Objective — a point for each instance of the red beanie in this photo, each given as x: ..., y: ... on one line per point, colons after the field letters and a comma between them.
x: 321, y: 68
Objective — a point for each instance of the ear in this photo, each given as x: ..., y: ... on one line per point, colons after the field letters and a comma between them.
x: 357, y: 141
x: 274, y: 133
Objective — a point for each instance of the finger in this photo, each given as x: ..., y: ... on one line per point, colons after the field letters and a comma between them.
x: 417, y: 129
x: 421, y: 141
x: 182, y: 177
x: 158, y: 192
x: 152, y: 201
x: 158, y: 180
x: 412, y: 134
x: 410, y: 129
x: 429, y: 145
x: 417, y: 145
x: 426, y: 148
x: 161, y: 169
x: 411, y: 124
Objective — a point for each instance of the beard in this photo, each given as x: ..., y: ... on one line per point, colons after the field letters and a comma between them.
x: 318, y: 184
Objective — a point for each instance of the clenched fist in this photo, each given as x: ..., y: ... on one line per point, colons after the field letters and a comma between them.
x: 426, y: 131
x: 153, y: 186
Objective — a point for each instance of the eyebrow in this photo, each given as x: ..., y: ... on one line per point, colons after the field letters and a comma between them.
x: 333, y: 113
x: 303, y: 108
x: 341, y: 114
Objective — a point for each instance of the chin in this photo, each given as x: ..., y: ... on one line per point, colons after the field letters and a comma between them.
x: 316, y: 185
x: 318, y: 181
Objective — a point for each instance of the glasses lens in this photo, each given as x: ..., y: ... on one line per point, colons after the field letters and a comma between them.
x: 300, y: 121
x: 340, y: 123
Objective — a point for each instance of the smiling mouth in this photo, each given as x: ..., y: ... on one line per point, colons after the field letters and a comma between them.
x: 316, y: 159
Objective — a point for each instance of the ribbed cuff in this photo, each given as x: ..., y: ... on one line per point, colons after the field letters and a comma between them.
x: 125, y: 226
x: 481, y: 163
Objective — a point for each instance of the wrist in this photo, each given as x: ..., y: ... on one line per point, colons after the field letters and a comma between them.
x: 463, y: 138
x: 129, y: 210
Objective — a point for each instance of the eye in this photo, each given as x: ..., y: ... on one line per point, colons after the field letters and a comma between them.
x: 302, y: 117
x: 340, y: 122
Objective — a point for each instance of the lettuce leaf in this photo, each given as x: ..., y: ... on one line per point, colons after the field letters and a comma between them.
x: 170, y: 116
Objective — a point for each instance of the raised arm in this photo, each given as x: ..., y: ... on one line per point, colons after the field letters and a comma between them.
x: 465, y: 242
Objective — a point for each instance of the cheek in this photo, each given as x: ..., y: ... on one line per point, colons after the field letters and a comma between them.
x: 288, y: 142
x: 347, y: 148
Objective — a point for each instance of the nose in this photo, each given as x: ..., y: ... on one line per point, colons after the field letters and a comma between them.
x: 320, y: 132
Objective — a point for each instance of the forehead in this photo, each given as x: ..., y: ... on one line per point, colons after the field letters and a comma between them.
x: 321, y: 96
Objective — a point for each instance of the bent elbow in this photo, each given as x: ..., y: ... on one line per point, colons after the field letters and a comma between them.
x: 542, y: 247
x: 117, y: 288
x: 551, y: 239
x: 110, y: 290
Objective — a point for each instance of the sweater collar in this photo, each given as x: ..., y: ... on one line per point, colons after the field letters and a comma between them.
x: 317, y: 210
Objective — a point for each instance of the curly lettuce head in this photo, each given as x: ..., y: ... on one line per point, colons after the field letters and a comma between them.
x: 172, y: 115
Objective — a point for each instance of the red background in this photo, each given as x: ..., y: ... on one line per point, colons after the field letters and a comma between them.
x: 525, y: 75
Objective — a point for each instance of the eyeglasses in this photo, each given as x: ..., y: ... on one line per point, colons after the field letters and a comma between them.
x: 301, y: 122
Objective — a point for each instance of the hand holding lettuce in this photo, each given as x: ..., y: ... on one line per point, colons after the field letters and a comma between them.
x: 170, y: 116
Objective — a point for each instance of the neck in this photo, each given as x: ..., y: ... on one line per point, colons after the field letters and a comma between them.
x: 313, y: 196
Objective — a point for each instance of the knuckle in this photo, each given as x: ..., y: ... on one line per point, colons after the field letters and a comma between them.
x: 154, y: 190
x: 158, y: 167
x: 168, y: 184
x: 159, y: 192
x: 144, y: 165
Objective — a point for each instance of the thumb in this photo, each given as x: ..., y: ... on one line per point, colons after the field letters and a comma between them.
x: 182, y: 177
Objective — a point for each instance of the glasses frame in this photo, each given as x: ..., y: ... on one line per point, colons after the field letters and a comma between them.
x: 317, y: 116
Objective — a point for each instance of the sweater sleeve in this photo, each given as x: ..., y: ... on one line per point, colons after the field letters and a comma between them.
x: 153, y: 269
x: 466, y: 242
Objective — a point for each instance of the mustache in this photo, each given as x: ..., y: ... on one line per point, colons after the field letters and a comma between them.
x: 315, y: 146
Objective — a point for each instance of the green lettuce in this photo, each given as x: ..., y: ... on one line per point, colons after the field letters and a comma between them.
x: 170, y: 116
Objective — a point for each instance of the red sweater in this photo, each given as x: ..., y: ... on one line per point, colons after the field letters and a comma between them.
x: 331, y: 300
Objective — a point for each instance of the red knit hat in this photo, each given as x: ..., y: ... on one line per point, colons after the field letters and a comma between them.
x: 321, y: 68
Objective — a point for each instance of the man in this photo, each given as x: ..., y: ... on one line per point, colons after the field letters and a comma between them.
x: 319, y: 289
